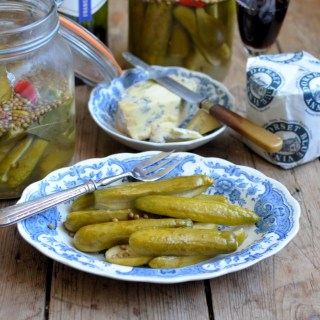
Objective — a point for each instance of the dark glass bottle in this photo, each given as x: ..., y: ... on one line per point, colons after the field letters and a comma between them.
x: 92, y: 14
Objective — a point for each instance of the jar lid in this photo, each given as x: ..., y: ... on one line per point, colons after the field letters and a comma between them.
x: 93, y: 61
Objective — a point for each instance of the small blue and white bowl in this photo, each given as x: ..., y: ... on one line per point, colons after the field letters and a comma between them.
x: 103, y: 104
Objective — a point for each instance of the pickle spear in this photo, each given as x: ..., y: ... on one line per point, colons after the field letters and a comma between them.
x: 123, y: 196
x: 213, y: 197
x: 179, y: 42
x: 101, y: 236
x: 137, y: 10
x: 26, y: 163
x: 201, y: 210
x: 12, y: 158
x: 167, y: 262
x: 182, y: 242
x: 125, y: 256
x: 5, y: 86
x: 156, y: 32
x: 77, y: 219
x: 210, y: 30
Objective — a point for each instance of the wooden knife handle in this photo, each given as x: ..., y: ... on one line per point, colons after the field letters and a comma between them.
x: 258, y: 135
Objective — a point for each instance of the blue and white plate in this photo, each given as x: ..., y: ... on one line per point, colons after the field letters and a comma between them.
x: 103, y: 104
x: 244, y: 186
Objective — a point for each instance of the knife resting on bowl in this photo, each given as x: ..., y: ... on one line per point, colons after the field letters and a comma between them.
x: 248, y: 129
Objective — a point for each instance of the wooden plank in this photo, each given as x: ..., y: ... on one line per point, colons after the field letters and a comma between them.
x: 22, y: 278
x: 76, y: 295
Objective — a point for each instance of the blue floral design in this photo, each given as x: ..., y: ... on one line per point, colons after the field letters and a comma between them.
x: 278, y: 211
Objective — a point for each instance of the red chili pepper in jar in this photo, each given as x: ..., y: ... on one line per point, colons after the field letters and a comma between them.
x: 192, y: 3
x: 26, y: 90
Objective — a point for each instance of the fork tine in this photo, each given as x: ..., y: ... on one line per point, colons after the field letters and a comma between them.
x: 161, y: 173
x: 157, y: 166
x: 154, y: 159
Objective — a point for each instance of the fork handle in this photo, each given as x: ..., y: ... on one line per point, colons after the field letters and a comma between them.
x: 20, y: 211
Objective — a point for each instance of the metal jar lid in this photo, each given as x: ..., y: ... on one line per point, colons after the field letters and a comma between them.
x: 93, y: 61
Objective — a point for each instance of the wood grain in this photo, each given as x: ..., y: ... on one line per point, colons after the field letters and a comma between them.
x: 284, y: 286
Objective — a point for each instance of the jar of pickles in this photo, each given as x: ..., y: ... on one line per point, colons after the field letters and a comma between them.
x: 195, y: 34
x: 37, y: 107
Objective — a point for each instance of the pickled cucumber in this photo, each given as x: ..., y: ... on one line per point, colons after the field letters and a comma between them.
x: 125, y: 256
x: 213, y: 197
x: 123, y: 196
x: 179, y: 41
x: 168, y: 262
x: 201, y: 210
x: 207, y: 26
x: 11, y: 158
x: 26, y: 163
x: 101, y: 236
x: 197, y: 37
x: 182, y: 242
x: 5, y: 86
x: 156, y: 32
x: 84, y: 202
x: 77, y: 219
x: 136, y: 22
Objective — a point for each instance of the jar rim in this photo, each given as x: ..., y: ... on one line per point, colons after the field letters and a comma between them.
x: 41, y: 23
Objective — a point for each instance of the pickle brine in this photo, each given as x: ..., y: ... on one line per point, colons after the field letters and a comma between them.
x: 194, y: 34
x: 37, y: 128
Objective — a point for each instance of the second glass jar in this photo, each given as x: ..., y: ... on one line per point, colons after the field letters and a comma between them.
x: 194, y: 34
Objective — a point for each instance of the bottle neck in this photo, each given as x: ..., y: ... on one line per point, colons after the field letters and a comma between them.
x: 26, y: 25
x: 83, y: 10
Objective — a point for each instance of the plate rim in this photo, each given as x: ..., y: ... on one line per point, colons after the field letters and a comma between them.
x: 166, y: 280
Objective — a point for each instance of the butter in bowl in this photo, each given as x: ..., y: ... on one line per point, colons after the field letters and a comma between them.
x: 143, y: 115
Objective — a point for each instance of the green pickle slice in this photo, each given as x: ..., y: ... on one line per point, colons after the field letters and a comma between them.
x: 11, y: 159
x: 27, y: 162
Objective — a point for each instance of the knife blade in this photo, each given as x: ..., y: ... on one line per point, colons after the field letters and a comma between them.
x: 248, y: 129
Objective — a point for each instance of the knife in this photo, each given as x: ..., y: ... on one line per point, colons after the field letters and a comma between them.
x: 256, y: 134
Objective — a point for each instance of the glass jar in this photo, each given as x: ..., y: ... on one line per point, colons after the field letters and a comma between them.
x: 37, y: 105
x: 194, y: 34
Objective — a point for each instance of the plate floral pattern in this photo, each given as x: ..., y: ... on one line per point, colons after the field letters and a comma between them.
x: 244, y: 186
x: 103, y: 104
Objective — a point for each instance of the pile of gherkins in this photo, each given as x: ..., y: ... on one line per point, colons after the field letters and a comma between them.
x: 194, y: 34
x: 163, y: 224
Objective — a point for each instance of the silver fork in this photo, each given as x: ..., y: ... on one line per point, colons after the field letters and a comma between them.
x: 149, y: 170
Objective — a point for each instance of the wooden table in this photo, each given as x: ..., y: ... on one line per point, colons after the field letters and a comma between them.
x: 284, y: 286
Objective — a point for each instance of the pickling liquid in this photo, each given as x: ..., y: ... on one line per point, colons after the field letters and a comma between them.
x: 37, y: 135
x: 260, y: 21
x: 193, y: 34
